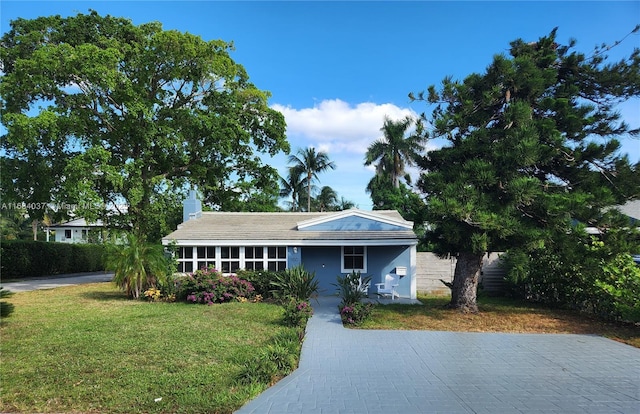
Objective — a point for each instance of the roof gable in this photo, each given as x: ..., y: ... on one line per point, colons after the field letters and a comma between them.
x: 354, y: 220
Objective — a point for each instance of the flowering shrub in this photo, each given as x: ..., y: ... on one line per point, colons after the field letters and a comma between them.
x: 297, y: 312
x: 209, y: 286
x: 355, y: 313
x: 260, y: 280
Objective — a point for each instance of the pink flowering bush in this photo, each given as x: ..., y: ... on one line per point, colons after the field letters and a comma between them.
x: 209, y: 286
x: 297, y: 312
x: 355, y: 313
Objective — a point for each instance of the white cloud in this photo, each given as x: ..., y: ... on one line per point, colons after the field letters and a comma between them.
x: 336, y: 126
x: 344, y: 131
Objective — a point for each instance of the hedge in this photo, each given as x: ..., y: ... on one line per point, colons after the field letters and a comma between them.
x: 27, y: 258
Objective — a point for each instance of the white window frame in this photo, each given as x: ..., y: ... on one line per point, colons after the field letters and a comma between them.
x: 242, y: 259
x: 254, y: 260
x: 192, y: 259
x: 277, y: 259
x: 364, y: 260
x: 206, y: 259
x: 230, y: 259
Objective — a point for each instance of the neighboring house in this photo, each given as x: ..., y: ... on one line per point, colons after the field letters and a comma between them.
x: 631, y: 209
x: 76, y: 231
x: 376, y: 243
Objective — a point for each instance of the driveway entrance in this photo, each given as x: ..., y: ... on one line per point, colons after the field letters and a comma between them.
x: 365, y: 371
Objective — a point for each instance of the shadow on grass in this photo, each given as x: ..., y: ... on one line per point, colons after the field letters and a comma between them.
x: 499, y: 314
x: 107, y: 296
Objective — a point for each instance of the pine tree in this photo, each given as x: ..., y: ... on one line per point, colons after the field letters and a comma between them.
x: 533, y: 146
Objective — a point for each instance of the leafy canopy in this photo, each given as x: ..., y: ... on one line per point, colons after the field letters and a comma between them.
x: 108, y: 112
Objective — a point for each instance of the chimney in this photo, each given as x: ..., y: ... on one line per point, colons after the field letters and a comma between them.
x: 191, y: 207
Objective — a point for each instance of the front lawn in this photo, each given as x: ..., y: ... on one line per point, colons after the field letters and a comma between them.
x: 496, y: 315
x: 88, y: 349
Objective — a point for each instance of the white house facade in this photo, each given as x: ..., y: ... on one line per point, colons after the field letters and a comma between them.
x: 75, y: 231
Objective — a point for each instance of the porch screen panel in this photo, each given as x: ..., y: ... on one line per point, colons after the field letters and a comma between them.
x: 206, y: 257
x: 229, y: 259
x: 185, y: 259
x: 254, y: 258
x: 276, y: 258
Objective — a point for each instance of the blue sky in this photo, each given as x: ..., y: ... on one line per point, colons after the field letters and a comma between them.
x: 335, y: 69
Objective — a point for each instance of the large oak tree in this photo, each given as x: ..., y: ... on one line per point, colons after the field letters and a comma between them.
x: 533, y: 145
x: 103, y: 112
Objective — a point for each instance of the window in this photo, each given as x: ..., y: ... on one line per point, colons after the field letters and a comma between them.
x: 230, y: 259
x: 67, y: 234
x: 254, y: 258
x: 354, y: 258
x: 185, y: 259
x: 206, y: 256
x: 276, y: 258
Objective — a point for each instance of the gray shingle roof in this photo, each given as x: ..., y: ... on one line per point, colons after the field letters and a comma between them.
x: 631, y: 209
x: 281, y: 226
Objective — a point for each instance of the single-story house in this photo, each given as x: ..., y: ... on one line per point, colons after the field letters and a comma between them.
x: 376, y: 243
x: 75, y: 231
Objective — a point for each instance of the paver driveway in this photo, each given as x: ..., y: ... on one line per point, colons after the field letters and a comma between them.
x: 364, y: 371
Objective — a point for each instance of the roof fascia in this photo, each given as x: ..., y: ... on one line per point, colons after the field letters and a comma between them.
x: 301, y: 243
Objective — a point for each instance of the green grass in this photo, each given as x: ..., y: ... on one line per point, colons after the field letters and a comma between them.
x: 88, y: 349
x: 497, y: 314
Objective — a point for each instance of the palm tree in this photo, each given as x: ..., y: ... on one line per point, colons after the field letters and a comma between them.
x: 137, y: 266
x: 310, y: 163
x: 394, y: 152
x: 345, y: 204
x: 292, y: 186
x: 327, y: 200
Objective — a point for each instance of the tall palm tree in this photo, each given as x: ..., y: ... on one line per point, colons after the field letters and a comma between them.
x: 293, y: 185
x: 310, y: 163
x: 394, y: 151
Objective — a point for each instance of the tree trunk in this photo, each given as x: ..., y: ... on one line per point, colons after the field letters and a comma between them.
x: 34, y: 228
x: 465, y: 282
x: 309, y: 193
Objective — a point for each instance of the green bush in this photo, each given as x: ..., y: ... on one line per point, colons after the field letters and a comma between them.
x: 352, y: 310
x: 584, y: 273
x: 349, y: 287
x: 355, y: 313
x: 279, y: 359
x: 297, y: 312
x: 295, y: 283
x: 27, y: 258
x: 260, y: 280
x: 619, y: 288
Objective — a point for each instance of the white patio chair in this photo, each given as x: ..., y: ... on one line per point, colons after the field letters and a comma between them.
x: 389, y: 286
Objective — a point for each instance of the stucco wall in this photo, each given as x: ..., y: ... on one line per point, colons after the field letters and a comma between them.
x: 325, y: 262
